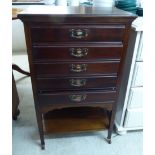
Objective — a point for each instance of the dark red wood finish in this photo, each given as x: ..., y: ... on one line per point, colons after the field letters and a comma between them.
x: 81, y: 97
x: 68, y: 52
x: 106, y: 33
x: 50, y: 37
x: 76, y: 83
x: 72, y: 69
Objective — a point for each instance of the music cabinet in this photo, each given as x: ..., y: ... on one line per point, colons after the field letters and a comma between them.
x: 76, y: 57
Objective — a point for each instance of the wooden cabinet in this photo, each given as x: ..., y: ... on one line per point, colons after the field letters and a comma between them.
x: 76, y: 57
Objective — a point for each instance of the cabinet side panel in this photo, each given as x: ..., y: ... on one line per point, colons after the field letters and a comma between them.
x: 125, y: 77
x: 29, y: 52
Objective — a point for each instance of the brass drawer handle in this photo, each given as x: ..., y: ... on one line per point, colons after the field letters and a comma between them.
x: 78, y: 98
x: 78, y: 67
x: 77, y: 82
x: 78, y: 52
x: 78, y: 33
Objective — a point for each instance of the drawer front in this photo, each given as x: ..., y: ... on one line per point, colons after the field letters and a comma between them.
x: 107, y: 33
x: 135, y: 98
x: 76, y: 52
x: 134, y: 118
x: 138, y: 75
x: 74, y: 68
x: 76, y: 83
x: 77, y: 97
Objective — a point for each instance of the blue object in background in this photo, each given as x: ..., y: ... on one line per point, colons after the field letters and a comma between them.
x: 127, y: 5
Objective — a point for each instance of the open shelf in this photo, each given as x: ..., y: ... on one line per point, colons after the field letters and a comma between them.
x: 75, y: 120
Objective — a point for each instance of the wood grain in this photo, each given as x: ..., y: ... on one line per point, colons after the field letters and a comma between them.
x: 49, y: 35
x: 75, y: 120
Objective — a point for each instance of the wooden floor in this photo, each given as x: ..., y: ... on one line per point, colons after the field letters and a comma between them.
x: 75, y: 120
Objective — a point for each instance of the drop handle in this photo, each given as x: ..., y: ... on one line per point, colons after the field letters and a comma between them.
x: 77, y: 97
x: 78, y: 52
x: 78, y: 33
x: 78, y: 67
x: 77, y: 82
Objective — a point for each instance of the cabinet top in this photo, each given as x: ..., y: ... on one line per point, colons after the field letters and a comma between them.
x: 66, y: 11
x: 74, y: 11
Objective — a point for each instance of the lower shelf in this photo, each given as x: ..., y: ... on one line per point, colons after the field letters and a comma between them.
x: 75, y: 120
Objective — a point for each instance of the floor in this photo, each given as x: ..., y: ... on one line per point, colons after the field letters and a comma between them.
x: 26, y: 138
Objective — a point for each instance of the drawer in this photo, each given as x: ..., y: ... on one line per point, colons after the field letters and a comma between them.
x: 74, y: 68
x: 135, y: 98
x: 76, y: 83
x: 138, y: 75
x: 77, y: 97
x: 77, y: 52
x: 67, y: 33
x: 134, y: 118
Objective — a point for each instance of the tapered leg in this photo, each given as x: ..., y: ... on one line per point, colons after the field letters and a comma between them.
x: 109, y: 112
x: 111, y: 125
x: 40, y: 127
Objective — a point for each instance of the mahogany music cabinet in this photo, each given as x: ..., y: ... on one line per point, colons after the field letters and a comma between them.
x: 76, y: 57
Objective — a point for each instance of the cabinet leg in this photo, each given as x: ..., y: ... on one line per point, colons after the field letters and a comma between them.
x: 109, y: 113
x: 109, y: 136
x: 109, y: 140
x: 41, y: 131
x: 111, y: 125
x: 43, y: 146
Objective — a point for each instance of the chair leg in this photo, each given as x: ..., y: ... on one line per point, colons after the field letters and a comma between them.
x: 16, y: 114
x: 18, y: 69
